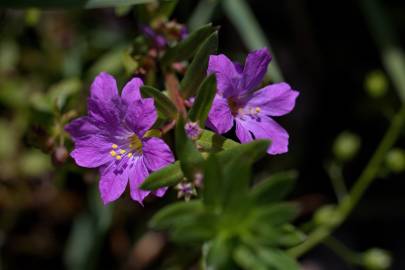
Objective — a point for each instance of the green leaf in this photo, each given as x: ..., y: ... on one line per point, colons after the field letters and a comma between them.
x: 251, y: 151
x: 190, y: 158
x: 202, y: 13
x: 203, y: 101
x: 275, y: 188
x: 70, y: 3
x: 212, y: 142
x: 163, y: 104
x: 212, y: 182
x: 197, y: 70
x: 276, y: 259
x: 275, y: 214
x: 168, y: 176
x: 60, y: 92
x: 290, y: 236
x: 186, y: 48
x: 247, y: 259
x: 176, y: 213
x: 218, y: 255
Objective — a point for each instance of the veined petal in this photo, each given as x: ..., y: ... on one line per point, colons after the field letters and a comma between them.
x: 104, y: 87
x: 266, y: 128
x: 255, y: 69
x: 131, y: 91
x: 156, y: 154
x: 137, y: 174
x: 92, y: 151
x: 81, y: 127
x: 220, y: 117
x: 112, y: 183
x: 226, y: 73
x: 106, y: 113
x: 275, y: 99
x: 242, y: 132
x: 141, y: 115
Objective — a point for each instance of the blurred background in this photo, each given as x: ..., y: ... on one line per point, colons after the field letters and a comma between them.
x: 343, y: 56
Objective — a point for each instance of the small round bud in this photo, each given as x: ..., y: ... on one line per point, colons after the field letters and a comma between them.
x: 327, y: 215
x: 376, y: 84
x: 59, y: 155
x: 395, y: 160
x: 346, y: 146
x: 376, y: 259
x: 193, y: 130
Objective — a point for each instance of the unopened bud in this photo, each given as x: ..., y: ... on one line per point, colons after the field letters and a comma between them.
x: 376, y: 259
x: 346, y: 146
x: 395, y: 160
x: 376, y: 84
x: 193, y: 130
x: 59, y: 155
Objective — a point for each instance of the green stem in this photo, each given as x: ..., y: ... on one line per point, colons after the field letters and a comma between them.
x: 350, y: 256
x: 351, y: 200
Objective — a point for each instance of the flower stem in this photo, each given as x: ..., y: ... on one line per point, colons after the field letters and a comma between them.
x: 351, y: 200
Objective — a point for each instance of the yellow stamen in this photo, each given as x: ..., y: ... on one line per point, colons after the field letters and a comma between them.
x: 129, y: 155
x: 258, y: 109
x: 122, y: 151
x: 135, y: 143
x: 112, y: 153
x: 114, y: 146
x: 118, y: 157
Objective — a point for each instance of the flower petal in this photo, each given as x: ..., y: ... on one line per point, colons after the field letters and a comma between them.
x: 141, y: 115
x: 226, y: 73
x: 275, y: 99
x: 220, y: 118
x: 137, y: 175
x: 156, y: 154
x: 112, y: 183
x: 81, y: 127
x: 131, y: 91
x: 255, y: 68
x: 242, y: 133
x: 92, y: 151
x: 104, y: 87
x: 266, y: 128
x: 160, y: 192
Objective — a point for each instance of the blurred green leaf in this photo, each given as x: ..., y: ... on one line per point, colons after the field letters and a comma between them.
x: 202, y: 13
x: 290, y: 236
x: 70, y: 3
x: 277, y: 259
x: 190, y: 159
x: 197, y: 70
x: 250, y: 31
x: 110, y: 62
x: 218, y: 254
x: 176, y: 213
x: 203, y: 101
x: 9, y: 55
x: 165, y: 9
x: 162, y: 102
x: 275, y: 214
x: 212, y: 142
x: 275, y: 188
x: 247, y: 259
x: 60, y: 92
x: 186, y: 48
x: 212, y: 182
x: 251, y: 151
x: 34, y: 163
x: 168, y: 176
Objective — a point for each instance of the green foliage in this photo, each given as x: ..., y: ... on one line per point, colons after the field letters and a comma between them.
x: 197, y: 70
x: 186, y: 48
x: 203, y: 101
x: 163, y: 104
x: 70, y: 3
x: 234, y: 222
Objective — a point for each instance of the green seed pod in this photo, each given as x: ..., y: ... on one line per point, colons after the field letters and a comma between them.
x: 395, y: 160
x: 376, y: 84
x: 376, y: 259
x: 346, y: 146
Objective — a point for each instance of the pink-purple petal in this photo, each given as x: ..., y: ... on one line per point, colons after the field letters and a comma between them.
x: 131, y: 91
x: 91, y: 152
x: 138, y: 174
x: 156, y: 154
x: 104, y: 87
x: 242, y: 133
x: 220, y: 117
x: 255, y: 68
x: 81, y: 127
x: 141, y: 116
x: 112, y: 183
x: 266, y: 128
x: 275, y: 99
x: 226, y: 73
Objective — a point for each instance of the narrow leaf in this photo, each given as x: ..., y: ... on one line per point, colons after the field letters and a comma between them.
x: 212, y: 182
x: 277, y: 259
x: 186, y: 48
x: 212, y: 142
x: 198, y: 67
x: 190, y: 158
x: 251, y: 151
x: 162, y: 102
x: 247, y: 259
x: 276, y: 214
x: 219, y: 254
x: 70, y: 3
x: 203, y: 101
x: 168, y: 176
x: 275, y: 188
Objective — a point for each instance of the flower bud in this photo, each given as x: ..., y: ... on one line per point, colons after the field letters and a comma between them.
x: 193, y: 130
x: 59, y: 155
x: 346, y: 146
x: 376, y: 84
x: 327, y: 215
x: 376, y: 259
x: 395, y: 160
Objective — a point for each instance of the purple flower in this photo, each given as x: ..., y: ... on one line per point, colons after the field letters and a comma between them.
x: 237, y: 101
x: 111, y: 138
x: 158, y: 40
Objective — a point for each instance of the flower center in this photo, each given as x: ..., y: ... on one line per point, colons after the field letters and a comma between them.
x: 233, y: 106
x: 135, y: 147
x: 236, y: 109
